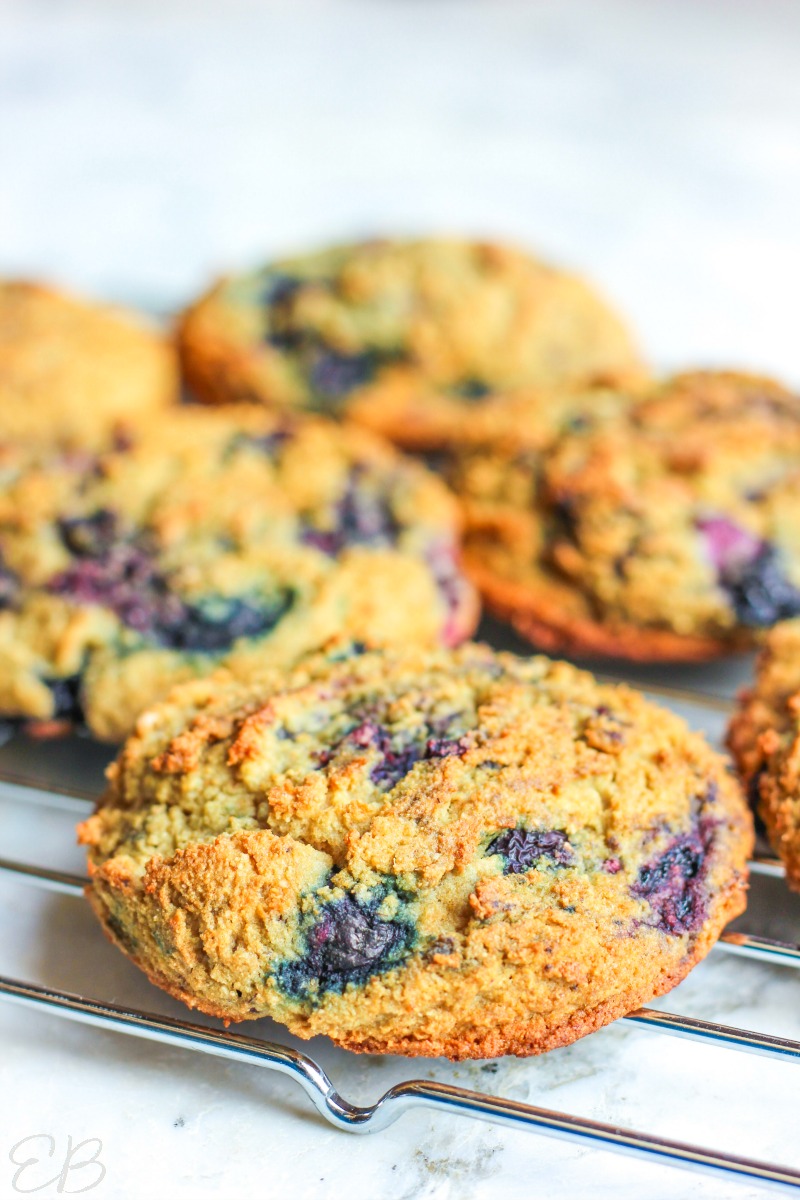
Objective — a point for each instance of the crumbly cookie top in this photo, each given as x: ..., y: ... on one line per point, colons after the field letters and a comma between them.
x: 70, y: 369
x: 423, y: 809
x: 680, y: 512
x: 420, y: 754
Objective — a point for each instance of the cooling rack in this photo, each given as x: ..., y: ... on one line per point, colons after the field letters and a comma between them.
x: 23, y: 780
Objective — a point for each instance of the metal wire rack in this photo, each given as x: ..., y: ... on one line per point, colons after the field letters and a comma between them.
x: 27, y: 788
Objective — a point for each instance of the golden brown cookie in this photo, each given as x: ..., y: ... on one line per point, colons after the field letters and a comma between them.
x: 74, y: 370
x: 418, y: 851
x: 211, y: 537
x: 664, y: 524
x: 411, y: 338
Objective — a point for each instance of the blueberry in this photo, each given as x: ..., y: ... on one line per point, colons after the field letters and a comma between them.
x: 366, y: 516
x: 522, y: 848
x: 285, y: 339
x: 443, y: 747
x: 751, y: 573
x: 123, y: 579
x: 361, y: 518
x: 471, y: 389
x: 325, y: 540
x: 89, y: 537
x: 366, y: 734
x: 276, y: 297
x: 565, y: 518
x: 395, y: 765
x: 673, y: 883
x: 334, y: 375
x: 578, y: 423
x: 126, y: 580
x: 396, y: 757
x: 9, y: 585
x: 66, y: 698
x: 214, y: 627
x: 346, y: 945
x: 278, y: 288
x: 347, y: 650
x: 729, y: 545
x: 397, y: 761
x: 759, y: 591
x: 268, y: 444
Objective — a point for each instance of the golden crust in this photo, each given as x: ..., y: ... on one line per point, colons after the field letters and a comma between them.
x: 70, y: 370
x: 331, y: 848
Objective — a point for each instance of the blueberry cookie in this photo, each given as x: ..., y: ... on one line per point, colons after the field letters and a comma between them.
x: 418, y: 851
x: 409, y: 338
x: 74, y: 370
x: 667, y: 527
x: 764, y: 738
x: 210, y: 537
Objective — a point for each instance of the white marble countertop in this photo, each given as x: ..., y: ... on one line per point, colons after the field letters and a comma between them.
x: 144, y: 146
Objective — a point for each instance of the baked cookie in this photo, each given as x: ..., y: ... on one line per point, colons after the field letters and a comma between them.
x: 211, y: 537
x: 418, y: 851
x: 73, y: 370
x: 664, y: 527
x: 764, y: 738
x: 410, y: 338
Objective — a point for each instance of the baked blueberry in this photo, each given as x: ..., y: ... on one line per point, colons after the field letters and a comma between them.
x: 524, y: 848
x: 347, y: 943
x: 673, y: 883
x: 9, y: 585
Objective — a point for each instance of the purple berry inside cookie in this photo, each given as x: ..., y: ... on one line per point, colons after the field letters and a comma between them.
x: 397, y: 753
x: 89, y: 537
x: 522, y: 848
x: 361, y: 518
x: 335, y: 375
x: 471, y: 389
x: 122, y: 576
x: 278, y: 288
x: 268, y: 444
x: 124, y: 579
x: 348, y: 943
x: 9, y: 586
x: 67, y: 698
x: 751, y: 572
x: 673, y: 884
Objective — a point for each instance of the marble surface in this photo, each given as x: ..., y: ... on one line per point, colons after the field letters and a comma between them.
x: 147, y: 145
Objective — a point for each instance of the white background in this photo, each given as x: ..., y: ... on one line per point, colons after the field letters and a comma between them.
x: 144, y: 146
